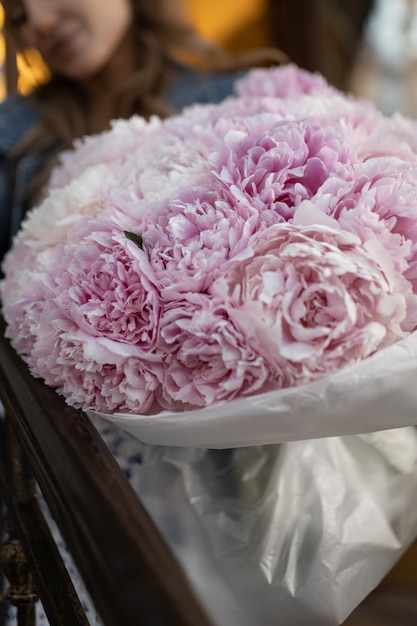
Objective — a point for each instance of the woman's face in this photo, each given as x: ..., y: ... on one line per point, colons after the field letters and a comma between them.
x: 77, y: 38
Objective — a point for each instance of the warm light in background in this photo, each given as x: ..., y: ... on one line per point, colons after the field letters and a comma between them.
x: 31, y: 68
x: 220, y: 19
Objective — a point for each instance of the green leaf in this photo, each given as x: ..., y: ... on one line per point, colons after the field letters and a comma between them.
x: 137, y: 239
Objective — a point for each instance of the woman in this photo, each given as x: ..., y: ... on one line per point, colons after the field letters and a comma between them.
x: 107, y: 59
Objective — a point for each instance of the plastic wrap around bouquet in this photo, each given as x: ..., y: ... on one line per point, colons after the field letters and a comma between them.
x: 243, y: 273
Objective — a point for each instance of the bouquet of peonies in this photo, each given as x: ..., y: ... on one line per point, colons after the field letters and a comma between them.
x: 241, y: 274
x: 255, y: 246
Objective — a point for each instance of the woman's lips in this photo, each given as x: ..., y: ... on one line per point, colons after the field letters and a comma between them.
x: 62, y: 47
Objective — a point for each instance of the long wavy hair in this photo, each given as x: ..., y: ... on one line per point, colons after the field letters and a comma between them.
x: 161, y: 35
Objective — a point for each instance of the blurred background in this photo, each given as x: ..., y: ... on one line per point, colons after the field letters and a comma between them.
x: 322, y: 35
x: 317, y: 34
x: 368, y: 47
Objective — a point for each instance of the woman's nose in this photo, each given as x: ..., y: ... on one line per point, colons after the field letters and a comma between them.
x: 42, y: 15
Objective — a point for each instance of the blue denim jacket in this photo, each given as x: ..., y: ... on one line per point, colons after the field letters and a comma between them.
x: 18, y: 116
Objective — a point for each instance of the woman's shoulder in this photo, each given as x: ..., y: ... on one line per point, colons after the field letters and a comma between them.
x: 17, y: 116
x: 191, y: 86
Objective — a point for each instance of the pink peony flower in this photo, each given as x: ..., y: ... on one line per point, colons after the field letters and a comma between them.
x: 286, y: 81
x: 207, y: 359
x: 105, y: 284
x: 191, y: 240
x: 107, y: 147
x: 150, y: 174
x: 378, y: 203
x: 92, y: 324
x: 274, y: 169
x: 96, y: 373
x: 315, y: 299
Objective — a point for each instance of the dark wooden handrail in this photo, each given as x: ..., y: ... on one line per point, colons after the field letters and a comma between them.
x: 127, y: 567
